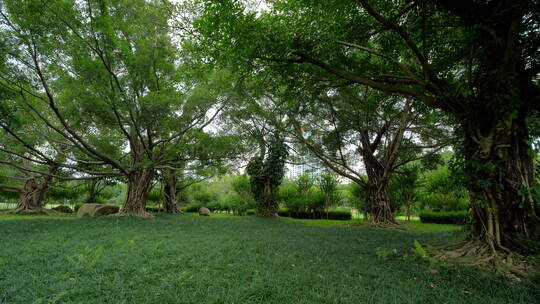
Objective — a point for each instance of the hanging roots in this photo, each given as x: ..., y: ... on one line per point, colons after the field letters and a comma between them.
x: 473, y: 253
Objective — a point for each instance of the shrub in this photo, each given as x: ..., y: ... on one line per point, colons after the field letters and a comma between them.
x: 450, y: 217
x: 331, y: 215
x: 304, y: 184
x: 154, y: 208
x: 190, y: 208
x: 442, y: 192
x: 77, y: 206
x: 328, y: 184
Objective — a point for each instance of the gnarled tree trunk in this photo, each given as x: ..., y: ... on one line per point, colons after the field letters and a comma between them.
x: 377, y: 191
x: 33, y: 193
x: 139, y: 183
x: 267, y: 205
x: 499, y: 165
x: 170, y: 202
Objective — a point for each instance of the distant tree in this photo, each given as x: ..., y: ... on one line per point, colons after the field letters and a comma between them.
x: 404, y: 187
x: 328, y: 184
x: 304, y: 183
x: 266, y: 171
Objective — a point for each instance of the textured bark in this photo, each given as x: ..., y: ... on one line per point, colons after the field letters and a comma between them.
x: 500, y: 169
x: 33, y: 192
x: 170, y: 203
x: 139, y: 183
x: 380, y: 202
x: 267, y: 206
x: 497, y: 147
x: 376, y: 187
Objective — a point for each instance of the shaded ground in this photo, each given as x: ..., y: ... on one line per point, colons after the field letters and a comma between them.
x: 226, y: 259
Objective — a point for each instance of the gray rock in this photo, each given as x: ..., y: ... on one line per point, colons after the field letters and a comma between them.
x: 204, y: 211
x: 63, y: 209
x: 96, y: 210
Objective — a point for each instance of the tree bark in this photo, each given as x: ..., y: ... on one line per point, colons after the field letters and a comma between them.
x: 377, y: 189
x: 33, y: 193
x: 139, y: 183
x: 267, y: 206
x: 170, y: 202
x: 499, y: 168
x: 380, y: 210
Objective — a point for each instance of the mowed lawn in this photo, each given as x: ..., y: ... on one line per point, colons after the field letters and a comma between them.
x: 228, y: 259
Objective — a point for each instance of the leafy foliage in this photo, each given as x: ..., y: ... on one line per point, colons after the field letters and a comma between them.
x: 266, y: 172
x: 450, y: 217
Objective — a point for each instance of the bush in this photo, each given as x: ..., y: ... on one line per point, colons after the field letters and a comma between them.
x: 190, y: 208
x: 77, y: 206
x: 343, y: 215
x: 154, y: 208
x: 236, y: 203
x: 450, y: 217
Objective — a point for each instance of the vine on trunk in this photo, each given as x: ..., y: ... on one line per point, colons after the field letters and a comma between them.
x: 265, y: 176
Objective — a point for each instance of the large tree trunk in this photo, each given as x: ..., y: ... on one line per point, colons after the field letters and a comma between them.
x: 267, y: 206
x: 380, y: 210
x: 170, y: 202
x: 30, y: 197
x: 499, y: 166
x: 33, y: 193
x: 139, y: 183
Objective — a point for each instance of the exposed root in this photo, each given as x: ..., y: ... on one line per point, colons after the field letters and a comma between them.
x: 141, y: 214
x: 29, y: 210
x: 472, y: 253
x: 386, y: 225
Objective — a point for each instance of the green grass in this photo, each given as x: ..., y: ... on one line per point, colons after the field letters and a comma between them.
x: 413, y: 225
x: 226, y: 259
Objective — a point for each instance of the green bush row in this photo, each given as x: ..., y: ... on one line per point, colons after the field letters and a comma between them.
x: 331, y: 214
x: 187, y: 208
x: 191, y: 208
x: 194, y: 207
x: 450, y: 217
x: 154, y: 208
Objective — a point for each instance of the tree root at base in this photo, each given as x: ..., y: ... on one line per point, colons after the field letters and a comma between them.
x: 26, y: 209
x: 472, y: 253
x: 386, y: 225
x: 143, y: 214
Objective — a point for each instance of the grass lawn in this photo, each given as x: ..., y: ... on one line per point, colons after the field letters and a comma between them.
x: 227, y: 259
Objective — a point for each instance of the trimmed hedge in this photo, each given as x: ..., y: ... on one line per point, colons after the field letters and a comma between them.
x: 450, y: 217
x: 342, y: 215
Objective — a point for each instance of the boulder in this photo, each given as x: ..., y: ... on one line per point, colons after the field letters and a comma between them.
x: 106, y: 210
x: 62, y: 209
x: 87, y: 209
x: 204, y: 211
x: 96, y: 210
